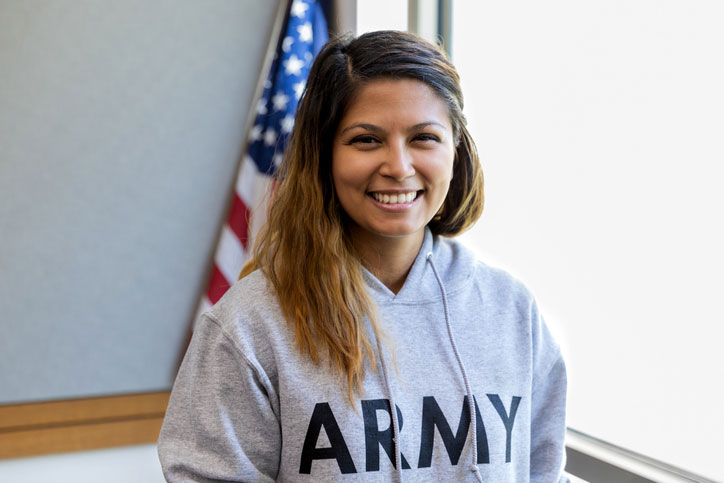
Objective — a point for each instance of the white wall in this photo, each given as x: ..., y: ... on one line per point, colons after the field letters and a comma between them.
x: 381, y: 15
x: 600, y: 131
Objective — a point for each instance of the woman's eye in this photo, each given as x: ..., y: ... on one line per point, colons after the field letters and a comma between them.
x: 363, y: 140
x: 427, y: 137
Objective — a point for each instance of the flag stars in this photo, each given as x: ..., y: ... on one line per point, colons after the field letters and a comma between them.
x: 270, y: 137
x: 287, y: 43
x: 255, y: 134
x: 280, y: 101
x: 277, y: 160
x: 299, y: 89
x: 299, y: 8
x: 287, y: 124
x: 293, y: 65
x: 261, y: 107
x: 305, y: 32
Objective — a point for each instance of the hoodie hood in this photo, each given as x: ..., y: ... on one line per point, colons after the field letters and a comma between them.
x: 456, y: 268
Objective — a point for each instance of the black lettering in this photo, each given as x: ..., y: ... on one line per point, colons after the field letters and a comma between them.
x: 322, y: 416
x: 432, y: 417
x: 508, y: 419
x: 374, y: 438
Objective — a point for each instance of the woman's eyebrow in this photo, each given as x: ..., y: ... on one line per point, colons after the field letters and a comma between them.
x: 374, y: 128
x: 363, y: 125
x: 425, y: 124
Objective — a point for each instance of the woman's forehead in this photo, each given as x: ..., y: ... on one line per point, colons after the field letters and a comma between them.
x: 406, y: 101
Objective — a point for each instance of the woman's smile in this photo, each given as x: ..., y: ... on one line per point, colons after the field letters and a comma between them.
x: 396, y: 201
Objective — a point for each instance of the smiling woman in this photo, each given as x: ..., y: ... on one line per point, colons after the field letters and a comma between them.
x: 360, y: 334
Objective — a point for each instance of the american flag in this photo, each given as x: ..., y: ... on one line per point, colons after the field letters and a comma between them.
x: 303, y: 36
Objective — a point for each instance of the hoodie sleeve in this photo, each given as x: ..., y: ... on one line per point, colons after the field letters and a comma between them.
x: 220, y: 424
x: 548, y: 406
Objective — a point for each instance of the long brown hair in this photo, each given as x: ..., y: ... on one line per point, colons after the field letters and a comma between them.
x: 304, y: 249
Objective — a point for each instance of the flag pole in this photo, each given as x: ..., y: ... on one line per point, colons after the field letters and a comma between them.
x: 276, y: 30
x: 299, y: 32
x: 271, y: 49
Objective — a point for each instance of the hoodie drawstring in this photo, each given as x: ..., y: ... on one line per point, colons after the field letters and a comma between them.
x: 471, y: 402
x: 393, y: 417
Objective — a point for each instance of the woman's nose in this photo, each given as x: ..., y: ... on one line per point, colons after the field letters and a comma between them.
x: 398, y: 162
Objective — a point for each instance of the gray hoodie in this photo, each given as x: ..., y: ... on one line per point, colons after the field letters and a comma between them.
x: 247, y: 406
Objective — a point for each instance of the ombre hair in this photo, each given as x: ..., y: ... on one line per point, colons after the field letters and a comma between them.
x: 304, y: 248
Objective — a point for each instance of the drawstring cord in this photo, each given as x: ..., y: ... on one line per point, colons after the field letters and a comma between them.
x: 471, y: 402
x: 393, y: 417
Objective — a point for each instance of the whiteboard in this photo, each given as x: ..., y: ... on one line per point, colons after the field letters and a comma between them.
x: 601, y: 131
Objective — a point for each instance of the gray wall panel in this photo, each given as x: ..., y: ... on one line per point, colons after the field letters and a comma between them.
x: 121, y: 124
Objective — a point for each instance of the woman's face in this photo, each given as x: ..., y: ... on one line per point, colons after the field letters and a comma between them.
x: 392, y: 158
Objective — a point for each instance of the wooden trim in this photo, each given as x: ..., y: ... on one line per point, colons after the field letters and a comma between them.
x: 80, y: 424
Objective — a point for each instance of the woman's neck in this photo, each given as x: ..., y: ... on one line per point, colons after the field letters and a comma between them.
x: 388, y: 258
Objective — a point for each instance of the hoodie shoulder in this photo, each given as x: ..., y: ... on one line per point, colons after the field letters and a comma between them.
x: 493, y: 281
x: 250, y: 315
x: 501, y: 280
x: 246, y: 296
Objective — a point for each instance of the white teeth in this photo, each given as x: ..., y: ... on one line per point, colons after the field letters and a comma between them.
x: 394, y: 199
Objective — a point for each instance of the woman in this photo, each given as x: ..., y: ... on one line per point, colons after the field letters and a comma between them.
x: 355, y: 303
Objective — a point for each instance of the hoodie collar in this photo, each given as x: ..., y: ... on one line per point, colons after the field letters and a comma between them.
x: 455, y: 265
